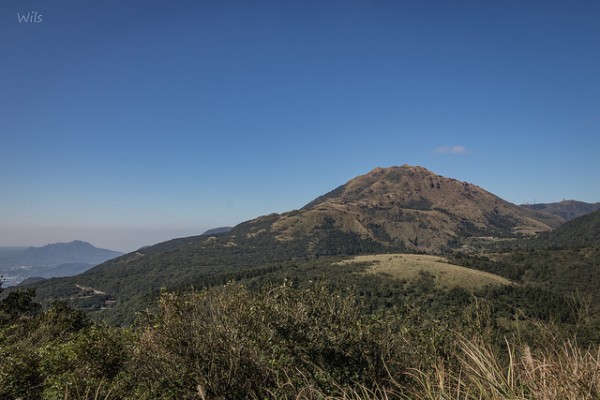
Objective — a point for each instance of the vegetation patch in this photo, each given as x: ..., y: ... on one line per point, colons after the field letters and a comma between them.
x: 288, y: 341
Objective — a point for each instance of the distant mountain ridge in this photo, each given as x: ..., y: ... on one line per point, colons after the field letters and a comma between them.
x: 567, y: 209
x: 57, y: 259
x: 58, y: 253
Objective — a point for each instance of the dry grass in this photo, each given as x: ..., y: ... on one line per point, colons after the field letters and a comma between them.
x: 410, y: 266
x: 564, y: 372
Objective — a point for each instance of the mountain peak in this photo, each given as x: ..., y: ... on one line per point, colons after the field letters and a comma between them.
x: 78, y: 243
x: 399, y: 185
x: 394, y: 168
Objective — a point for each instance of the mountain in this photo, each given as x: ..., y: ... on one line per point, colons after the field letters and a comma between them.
x: 397, y: 209
x: 409, y: 208
x: 58, y: 253
x: 567, y: 209
x: 58, y: 259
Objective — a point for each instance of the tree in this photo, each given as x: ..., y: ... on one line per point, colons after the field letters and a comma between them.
x: 18, y: 303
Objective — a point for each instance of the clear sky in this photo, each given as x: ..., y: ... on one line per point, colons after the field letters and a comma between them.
x: 125, y: 123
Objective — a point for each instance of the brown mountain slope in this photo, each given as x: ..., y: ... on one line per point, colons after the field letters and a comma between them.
x: 406, y: 207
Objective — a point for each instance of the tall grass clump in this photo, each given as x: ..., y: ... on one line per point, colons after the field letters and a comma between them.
x: 557, y: 371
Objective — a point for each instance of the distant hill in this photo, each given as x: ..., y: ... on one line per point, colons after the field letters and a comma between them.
x: 568, y: 258
x: 217, y: 231
x: 58, y: 259
x: 397, y: 209
x: 583, y: 231
x: 567, y: 209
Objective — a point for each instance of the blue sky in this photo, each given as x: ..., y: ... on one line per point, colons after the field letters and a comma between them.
x: 128, y: 123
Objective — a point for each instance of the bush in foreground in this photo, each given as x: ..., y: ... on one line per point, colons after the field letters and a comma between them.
x: 233, y: 343
x: 283, y: 343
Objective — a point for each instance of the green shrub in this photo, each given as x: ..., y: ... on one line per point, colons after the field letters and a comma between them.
x: 87, y: 365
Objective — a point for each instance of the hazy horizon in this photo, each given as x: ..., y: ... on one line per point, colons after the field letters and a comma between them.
x: 123, y: 240
x: 126, y: 124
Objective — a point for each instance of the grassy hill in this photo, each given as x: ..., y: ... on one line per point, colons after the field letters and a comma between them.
x: 410, y: 267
